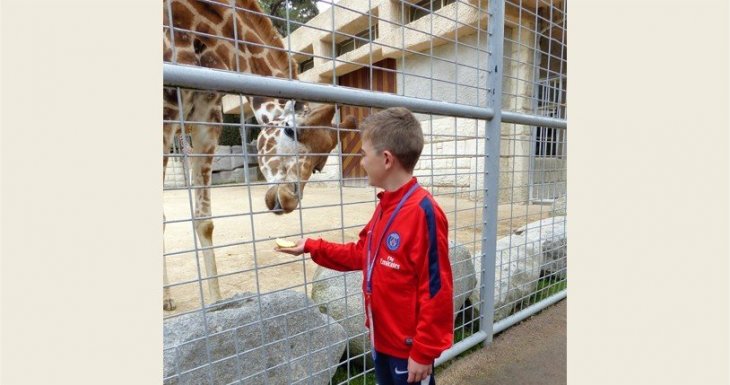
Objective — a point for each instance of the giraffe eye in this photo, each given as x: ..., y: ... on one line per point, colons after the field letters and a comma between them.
x: 288, y: 131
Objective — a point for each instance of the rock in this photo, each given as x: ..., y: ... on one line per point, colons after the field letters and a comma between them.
x: 547, y: 228
x: 340, y: 295
x: 220, y: 177
x: 560, y: 205
x: 253, y: 174
x: 252, y: 152
x: 235, y: 176
x: 222, y: 162
x: 294, y: 342
x: 463, y: 274
x: 538, y: 246
x: 556, y: 258
x: 551, y: 232
x: 238, y: 159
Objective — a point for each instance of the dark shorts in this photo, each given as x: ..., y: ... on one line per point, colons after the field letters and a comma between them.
x: 394, y: 371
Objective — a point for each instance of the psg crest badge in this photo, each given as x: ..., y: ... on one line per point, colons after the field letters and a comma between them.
x: 393, y: 241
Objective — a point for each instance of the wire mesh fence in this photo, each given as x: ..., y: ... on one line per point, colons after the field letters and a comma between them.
x: 262, y: 104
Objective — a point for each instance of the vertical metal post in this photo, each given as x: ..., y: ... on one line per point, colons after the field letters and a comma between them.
x: 495, y: 47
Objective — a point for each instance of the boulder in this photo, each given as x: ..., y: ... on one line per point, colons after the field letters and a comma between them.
x: 222, y: 160
x: 237, y: 175
x: 551, y: 235
x: 238, y: 160
x: 463, y: 274
x: 340, y: 295
x: 281, y: 338
x: 521, y: 257
x: 556, y: 258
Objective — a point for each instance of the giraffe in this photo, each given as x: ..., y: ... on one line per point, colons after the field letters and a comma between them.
x: 233, y: 35
x: 190, y: 44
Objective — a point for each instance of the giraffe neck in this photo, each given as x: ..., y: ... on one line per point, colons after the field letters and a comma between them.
x: 257, y: 48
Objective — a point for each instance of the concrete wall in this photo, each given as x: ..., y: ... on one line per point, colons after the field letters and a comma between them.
x: 228, y: 167
x: 441, y: 75
x: 452, y: 136
x: 174, y: 174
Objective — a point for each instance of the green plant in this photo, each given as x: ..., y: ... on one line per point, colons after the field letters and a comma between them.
x: 231, y: 132
x: 547, y: 287
x: 356, y: 377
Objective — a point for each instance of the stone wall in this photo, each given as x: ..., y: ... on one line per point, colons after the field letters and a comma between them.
x: 228, y: 167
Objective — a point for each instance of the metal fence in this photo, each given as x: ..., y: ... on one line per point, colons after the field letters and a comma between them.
x: 487, y: 82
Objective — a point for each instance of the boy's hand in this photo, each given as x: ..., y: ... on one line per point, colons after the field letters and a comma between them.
x: 416, y: 371
x: 298, y: 249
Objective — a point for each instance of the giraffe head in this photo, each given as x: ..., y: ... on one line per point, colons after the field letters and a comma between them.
x: 293, y: 146
x: 271, y: 111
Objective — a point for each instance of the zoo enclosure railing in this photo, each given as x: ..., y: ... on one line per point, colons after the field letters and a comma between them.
x: 498, y: 122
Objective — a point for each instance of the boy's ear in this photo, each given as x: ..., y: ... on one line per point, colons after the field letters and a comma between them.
x: 389, y: 159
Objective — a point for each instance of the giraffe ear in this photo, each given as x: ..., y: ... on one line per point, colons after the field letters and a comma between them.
x: 349, y: 123
x: 321, y: 115
x: 255, y: 103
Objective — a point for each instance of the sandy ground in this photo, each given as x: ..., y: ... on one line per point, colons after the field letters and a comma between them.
x: 532, y: 352
x: 246, y: 260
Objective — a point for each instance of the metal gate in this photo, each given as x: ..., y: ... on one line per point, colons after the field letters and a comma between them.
x: 480, y: 77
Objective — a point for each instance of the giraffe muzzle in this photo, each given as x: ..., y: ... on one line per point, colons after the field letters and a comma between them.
x: 283, y: 199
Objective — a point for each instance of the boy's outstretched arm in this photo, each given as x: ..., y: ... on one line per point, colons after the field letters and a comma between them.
x: 335, y: 256
x: 298, y: 249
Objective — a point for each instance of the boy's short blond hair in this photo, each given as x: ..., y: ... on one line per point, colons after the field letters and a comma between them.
x: 396, y: 130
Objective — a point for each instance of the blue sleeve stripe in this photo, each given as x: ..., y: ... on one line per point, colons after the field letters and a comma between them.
x: 434, y: 281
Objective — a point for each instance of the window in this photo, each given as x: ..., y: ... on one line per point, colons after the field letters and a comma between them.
x: 306, y: 65
x: 550, y: 142
x: 415, y: 13
x: 358, y: 41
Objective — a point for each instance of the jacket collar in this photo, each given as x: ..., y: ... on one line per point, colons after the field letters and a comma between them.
x: 391, y: 198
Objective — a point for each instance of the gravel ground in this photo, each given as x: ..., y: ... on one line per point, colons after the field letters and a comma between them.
x: 532, y: 352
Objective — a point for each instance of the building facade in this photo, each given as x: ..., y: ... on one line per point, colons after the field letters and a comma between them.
x: 437, y: 50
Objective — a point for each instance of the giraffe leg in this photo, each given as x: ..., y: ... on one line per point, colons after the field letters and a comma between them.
x: 168, y: 133
x: 202, y: 173
x: 205, y: 140
x: 168, y: 303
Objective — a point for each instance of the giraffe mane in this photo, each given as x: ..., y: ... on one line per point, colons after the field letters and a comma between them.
x: 268, y: 33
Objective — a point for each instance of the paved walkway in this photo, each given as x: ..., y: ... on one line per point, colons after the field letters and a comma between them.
x: 532, y: 352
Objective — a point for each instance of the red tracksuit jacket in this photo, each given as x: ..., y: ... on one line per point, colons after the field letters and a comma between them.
x: 412, y: 288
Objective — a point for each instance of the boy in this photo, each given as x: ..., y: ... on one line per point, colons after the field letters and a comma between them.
x: 403, y: 252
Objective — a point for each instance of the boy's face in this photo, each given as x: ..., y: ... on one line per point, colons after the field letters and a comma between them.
x: 373, y: 163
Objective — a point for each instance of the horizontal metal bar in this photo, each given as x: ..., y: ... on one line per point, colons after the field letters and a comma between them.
x: 532, y: 120
x: 521, y: 315
x: 461, y: 346
x: 337, y: 59
x: 224, y: 81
